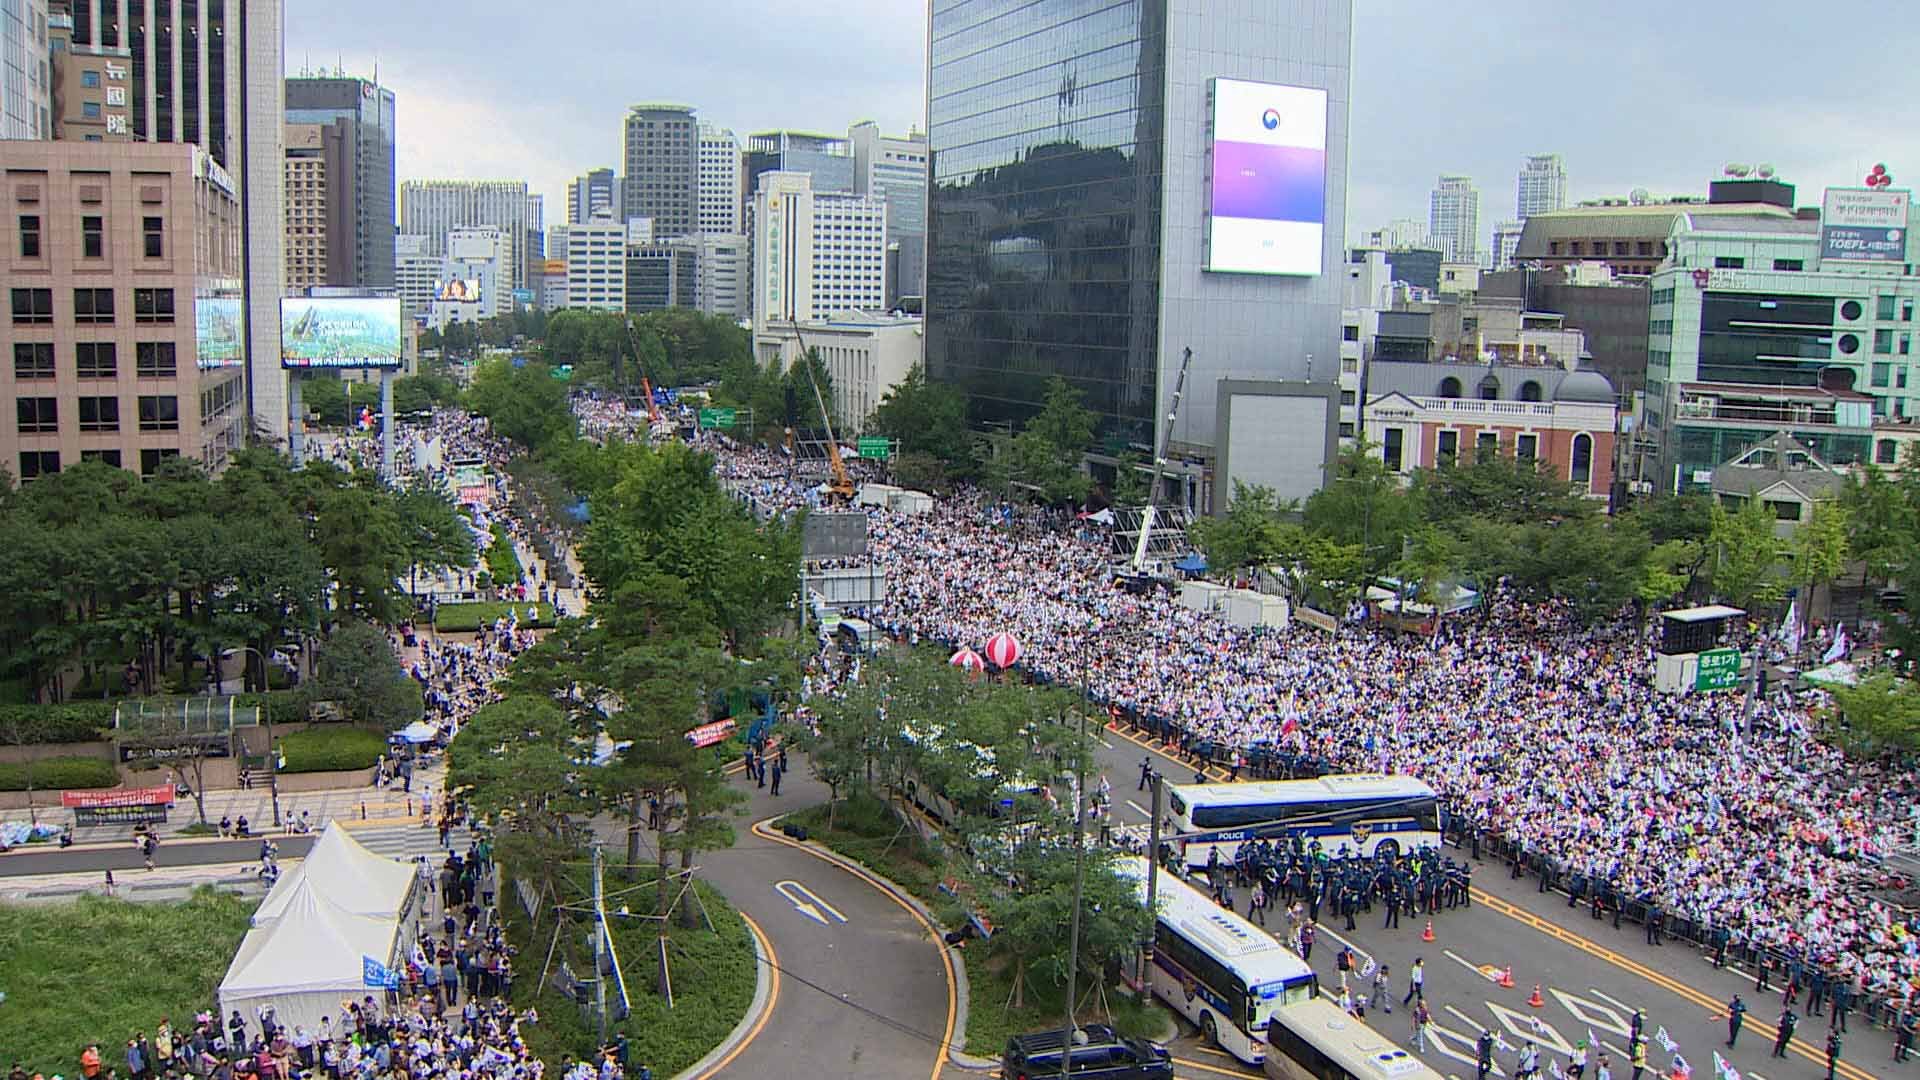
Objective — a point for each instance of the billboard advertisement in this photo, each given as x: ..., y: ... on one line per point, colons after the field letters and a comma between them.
x: 458, y: 290
x: 1267, y: 205
x: 340, y: 332
x: 1864, y: 225
x: 219, y: 325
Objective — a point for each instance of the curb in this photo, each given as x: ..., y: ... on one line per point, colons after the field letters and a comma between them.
x: 962, y: 993
x: 749, y: 1023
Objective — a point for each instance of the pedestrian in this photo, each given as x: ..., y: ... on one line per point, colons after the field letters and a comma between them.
x: 1383, y: 988
x: 1146, y: 772
x: 1833, y: 1053
x: 1788, y: 1021
x: 1577, y: 1063
x: 110, y: 886
x: 1306, y: 942
x: 1528, y: 1067
x: 1483, y: 1052
x: 777, y: 773
x: 1421, y: 1018
x: 1257, y: 904
x: 1639, y: 1059
x: 1736, y: 1015
x: 1416, y: 982
x: 1603, y: 1069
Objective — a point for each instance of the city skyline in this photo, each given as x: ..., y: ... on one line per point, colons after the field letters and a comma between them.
x: 1638, y: 123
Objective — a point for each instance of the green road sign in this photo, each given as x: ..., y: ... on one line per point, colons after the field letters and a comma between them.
x: 1719, y: 670
x: 716, y: 418
x: 872, y: 446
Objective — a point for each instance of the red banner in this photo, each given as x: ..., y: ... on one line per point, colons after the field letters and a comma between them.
x: 708, y: 734
x: 146, y: 796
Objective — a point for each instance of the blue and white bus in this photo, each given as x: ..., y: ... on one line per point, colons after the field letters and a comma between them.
x: 1221, y: 972
x: 1362, y: 812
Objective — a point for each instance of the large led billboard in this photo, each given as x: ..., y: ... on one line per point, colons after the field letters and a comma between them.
x: 1267, y: 207
x: 340, y: 332
x: 219, y: 325
x: 1864, y: 225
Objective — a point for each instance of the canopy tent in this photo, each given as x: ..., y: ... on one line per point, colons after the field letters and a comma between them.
x: 1192, y: 563
x: 419, y: 732
x: 309, y: 960
x: 347, y: 875
x: 1838, y: 673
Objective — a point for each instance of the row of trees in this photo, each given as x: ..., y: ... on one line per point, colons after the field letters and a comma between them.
x: 104, y: 568
x: 928, y: 420
x: 674, y: 347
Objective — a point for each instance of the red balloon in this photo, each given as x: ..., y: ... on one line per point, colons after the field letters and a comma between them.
x: 967, y: 660
x: 1003, y: 650
x: 1879, y: 170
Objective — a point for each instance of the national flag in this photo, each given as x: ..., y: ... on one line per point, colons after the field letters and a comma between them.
x: 1367, y: 971
x: 1680, y: 1066
x: 1665, y: 1040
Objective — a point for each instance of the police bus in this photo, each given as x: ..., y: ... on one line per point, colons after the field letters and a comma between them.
x: 1215, y: 968
x: 1317, y: 1040
x: 1363, y: 812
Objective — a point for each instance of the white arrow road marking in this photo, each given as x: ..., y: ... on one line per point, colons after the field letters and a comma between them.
x: 808, y: 903
x: 1592, y: 1013
x: 1531, y: 1028
x: 1465, y: 1019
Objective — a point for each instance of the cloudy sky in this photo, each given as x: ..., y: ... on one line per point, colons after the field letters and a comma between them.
x: 488, y: 90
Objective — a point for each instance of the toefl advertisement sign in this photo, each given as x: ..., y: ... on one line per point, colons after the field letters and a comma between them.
x: 1267, y: 205
x: 1864, y: 225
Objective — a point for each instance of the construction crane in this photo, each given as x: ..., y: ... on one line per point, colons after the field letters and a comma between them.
x: 657, y: 423
x: 840, y: 487
x: 1162, y: 438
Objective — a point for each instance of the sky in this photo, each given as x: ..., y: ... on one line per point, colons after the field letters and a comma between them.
x: 489, y: 91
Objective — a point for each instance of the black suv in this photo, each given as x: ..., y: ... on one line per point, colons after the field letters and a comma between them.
x: 1105, y: 1056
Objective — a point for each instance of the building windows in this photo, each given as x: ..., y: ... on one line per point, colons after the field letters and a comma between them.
x: 32, y: 306
x: 1884, y: 307
x: 38, y: 463
x: 153, y: 306
x: 99, y: 414
x: 1882, y: 375
x: 29, y: 236
x: 90, y: 80
x: 1349, y: 332
x: 1348, y: 397
x: 93, y: 236
x: 1393, y: 448
x: 93, y: 306
x: 104, y: 457
x: 1789, y: 264
x: 1486, y: 446
x: 37, y: 415
x: 1526, y: 447
x: 150, y: 460
x: 1883, y: 342
x: 1784, y: 509
x: 1729, y: 262
x: 1530, y: 391
x: 1582, y: 464
x: 90, y: 110
x: 153, y: 233
x: 1489, y: 389
x: 159, y: 412
x: 96, y: 360
x: 1447, y: 448
x: 154, y: 360
x: 33, y: 360
x: 1449, y: 387
x: 1885, y: 452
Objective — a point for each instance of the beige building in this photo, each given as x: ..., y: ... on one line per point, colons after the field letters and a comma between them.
x: 91, y: 92
x: 866, y: 355
x: 310, y: 167
x: 124, y: 323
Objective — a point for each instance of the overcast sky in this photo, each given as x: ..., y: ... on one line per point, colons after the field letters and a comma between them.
x: 490, y: 89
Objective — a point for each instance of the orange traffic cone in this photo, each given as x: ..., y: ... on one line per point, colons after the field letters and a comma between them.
x: 1506, y: 978
x: 1535, y: 999
x: 1427, y: 934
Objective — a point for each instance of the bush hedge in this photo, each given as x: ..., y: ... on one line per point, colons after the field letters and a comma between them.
x: 59, y: 772
x: 466, y: 618
x: 78, y: 721
x: 502, y: 561
x: 331, y: 748
x: 276, y: 706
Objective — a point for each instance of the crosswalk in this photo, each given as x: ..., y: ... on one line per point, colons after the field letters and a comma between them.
x: 406, y: 841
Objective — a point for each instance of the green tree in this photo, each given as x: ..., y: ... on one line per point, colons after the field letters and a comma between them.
x: 1744, y: 554
x: 1365, y: 506
x: 518, y: 761
x: 1498, y: 487
x: 926, y: 417
x: 525, y: 404
x: 1880, y: 714
x: 1248, y: 534
x: 356, y: 667
x: 1817, y: 552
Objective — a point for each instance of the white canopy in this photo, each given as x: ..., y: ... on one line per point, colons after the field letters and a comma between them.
x: 308, y: 961
x: 419, y: 731
x: 345, y: 874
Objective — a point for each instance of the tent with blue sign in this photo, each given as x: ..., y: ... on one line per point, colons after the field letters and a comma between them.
x: 309, y: 959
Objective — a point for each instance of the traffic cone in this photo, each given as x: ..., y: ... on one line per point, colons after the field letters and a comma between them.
x: 1506, y: 978
x: 1535, y: 999
x: 1427, y: 934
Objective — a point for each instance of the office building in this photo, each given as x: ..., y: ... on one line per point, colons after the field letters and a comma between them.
x: 1630, y: 234
x: 1608, y: 310
x: 319, y: 236
x: 88, y: 91
x: 552, y: 288
x: 364, y: 111
x: 662, y: 169
x: 720, y: 178
x: 434, y: 208
x: 416, y: 269
x: 597, y: 266
x: 26, y: 103
x: 662, y: 274
x: 724, y: 286
x: 896, y: 170
x: 866, y: 355
x: 1453, y: 219
x: 124, y: 285
x: 212, y: 75
x: 592, y: 195
x: 470, y: 286
x: 826, y: 159
x: 1506, y: 241
x: 1764, y: 322
x: 815, y: 253
x: 1400, y: 234
x: 1069, y: 228
x: 1542, y: 187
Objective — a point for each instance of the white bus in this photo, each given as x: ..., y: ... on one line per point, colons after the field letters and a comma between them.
x: 1215, y: 968
x: 1362, y: 812
x: 1317, y: 1040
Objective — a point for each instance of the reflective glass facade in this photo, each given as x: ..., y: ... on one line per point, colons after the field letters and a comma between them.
x: 1047, y: 134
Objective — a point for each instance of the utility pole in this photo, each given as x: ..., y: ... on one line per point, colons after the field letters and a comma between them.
x: 600, y: 943
x: 1079, y: 878
x: 1153, y: 883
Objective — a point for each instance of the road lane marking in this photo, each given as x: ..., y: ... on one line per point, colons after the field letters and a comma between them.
x: 1357, y: 950
x: 1592, y: 1013
x: 1671, y: 985
x: 1442, y: 1038
x: 1624, y: 1007
x: 773, y: 998
x: 1458, y: 959
x: 808, y: 902
x: 1465, y: 1019
x: 1530, y: 1028
x: 1192, y: 1064
x: 1141, y: 810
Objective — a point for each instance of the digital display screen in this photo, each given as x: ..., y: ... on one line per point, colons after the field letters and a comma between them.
x: 340, y: 332
x: 458, y: 290
x: 1268, y: 204
x: 219, y: 325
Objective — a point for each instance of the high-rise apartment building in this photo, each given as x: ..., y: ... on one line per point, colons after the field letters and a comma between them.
x: 434, y: 208
x: 589, y: 196
x: 1069, y: 212
x: 662, y: 169
x: 815, y: 253
x: 365, y: 110
x: 1543, y: 186
x: 896, y: 170
x: 1506, y: 241
x: 123, y: 273
x: 1453, y: 219
x: 319, y: 234
x: 597, y: 266
x: 720, y: 191
x: 416, y: 270
x: 212, y: 73
x: 26, y: 91
x: 725, y: 286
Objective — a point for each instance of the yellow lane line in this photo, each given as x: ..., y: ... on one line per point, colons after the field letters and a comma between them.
x: 773, y: 998
x: 1191, y: 1064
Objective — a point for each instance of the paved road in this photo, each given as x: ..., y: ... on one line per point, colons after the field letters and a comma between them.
x: 51, y: 860
x: 1592, y: 976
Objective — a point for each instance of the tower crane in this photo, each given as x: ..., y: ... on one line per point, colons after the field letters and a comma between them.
x: 841, y: 486
x: 1162, y: 438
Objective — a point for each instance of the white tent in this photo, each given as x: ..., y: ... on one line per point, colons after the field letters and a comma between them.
x: 307, y: 962
x: 346, y: 874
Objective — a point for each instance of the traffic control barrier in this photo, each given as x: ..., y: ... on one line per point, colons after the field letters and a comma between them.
x: 1427, y: 934
x: 1506, y: 978
x: 1535, y: 999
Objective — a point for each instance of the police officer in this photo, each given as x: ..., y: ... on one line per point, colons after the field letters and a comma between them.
x: 1736, y: 1015
x: 1903, y: 1032
x: 1146, y: 772
x: 1485, y: 1048
x: 1788, y: 1021
x: 1833, y: 1053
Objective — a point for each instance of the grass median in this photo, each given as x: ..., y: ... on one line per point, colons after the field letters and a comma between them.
x: 331, y: 748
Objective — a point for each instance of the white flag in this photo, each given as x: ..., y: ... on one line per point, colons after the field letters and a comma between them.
x: 1369, y: 969
x: 1723, y: 1068
x: 1680, y: 1066
x: 1553, y: 1069
x: 1665, y: 1040
x: 1502, y: 1045
x: 1838, y: 650
x: 1789, y: 626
